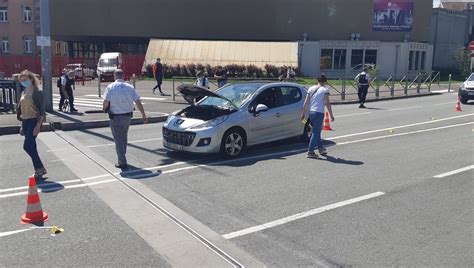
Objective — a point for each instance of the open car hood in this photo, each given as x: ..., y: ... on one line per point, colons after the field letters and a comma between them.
x: 192, y: 92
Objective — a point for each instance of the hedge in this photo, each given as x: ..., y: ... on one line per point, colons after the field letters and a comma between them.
x: 233, y: 70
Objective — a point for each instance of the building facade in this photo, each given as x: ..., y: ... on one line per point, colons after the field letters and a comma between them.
x: 19, y: 26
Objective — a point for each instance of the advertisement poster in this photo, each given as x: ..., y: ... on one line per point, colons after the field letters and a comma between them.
x: 393, y: 16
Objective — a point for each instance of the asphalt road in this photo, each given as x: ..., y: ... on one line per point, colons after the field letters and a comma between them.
x: 396, y: 190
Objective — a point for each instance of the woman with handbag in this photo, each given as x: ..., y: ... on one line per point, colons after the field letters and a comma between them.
x: 31, y: 113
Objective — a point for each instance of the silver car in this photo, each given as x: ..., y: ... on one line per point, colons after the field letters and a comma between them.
x: 234, y: 117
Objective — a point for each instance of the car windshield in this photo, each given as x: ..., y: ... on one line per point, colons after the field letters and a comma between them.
x: 471, y: 78
x: 238, y: 94
x: 108, y: 62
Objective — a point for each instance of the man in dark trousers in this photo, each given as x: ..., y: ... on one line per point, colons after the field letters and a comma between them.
x: 158, y: 74
x: 363, y: 79
x: 67, y: 87
x: 221, y: 76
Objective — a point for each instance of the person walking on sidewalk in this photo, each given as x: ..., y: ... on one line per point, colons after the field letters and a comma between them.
x: 363, y: 79
x: 118, y: 102
x: 221, y: 75
x: 316, y: 99
x: 66, y: 91
x: 31, y: 113
x: 158, y: 74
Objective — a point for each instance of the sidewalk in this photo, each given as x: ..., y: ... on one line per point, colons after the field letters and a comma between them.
x: 158, y: 107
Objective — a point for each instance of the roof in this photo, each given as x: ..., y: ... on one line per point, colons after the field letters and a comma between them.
x: 214, y: 53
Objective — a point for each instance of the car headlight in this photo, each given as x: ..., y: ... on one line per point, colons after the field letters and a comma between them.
x: 463, y: 87
x: 212, y: 123
x: 169, y: 118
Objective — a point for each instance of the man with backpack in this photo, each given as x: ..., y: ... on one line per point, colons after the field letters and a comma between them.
x: 363, y: 79
x: 66, y: 85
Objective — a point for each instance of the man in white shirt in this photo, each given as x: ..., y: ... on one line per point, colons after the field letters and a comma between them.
x: 317, y: 98
x: 363, y: 79
x: 118, y: 102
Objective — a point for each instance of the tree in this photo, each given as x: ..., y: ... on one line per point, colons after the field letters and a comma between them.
x: 462, y: 57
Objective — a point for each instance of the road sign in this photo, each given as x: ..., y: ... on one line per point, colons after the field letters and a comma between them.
x: 471, y: 46
x: 43, y: 41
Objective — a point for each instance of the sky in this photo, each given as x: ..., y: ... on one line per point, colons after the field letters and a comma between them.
x: 435, y: 3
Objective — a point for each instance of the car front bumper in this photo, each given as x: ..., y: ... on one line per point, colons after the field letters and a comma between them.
x: 174, y: 141
x: 466, y: 94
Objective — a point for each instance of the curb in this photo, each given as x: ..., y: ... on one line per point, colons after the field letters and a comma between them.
x: 67, y: 126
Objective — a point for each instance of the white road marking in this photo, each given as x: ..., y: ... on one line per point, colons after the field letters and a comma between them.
x: 402, y: 126
x: 153, y: 99
x: 2, y: 234
x: 130, y: 142
x: 440, y: 176
x: 61, y: 187
x: 46, y: 184
x: 299, y: 216
x: 347, y: 115
x: 406, y: 108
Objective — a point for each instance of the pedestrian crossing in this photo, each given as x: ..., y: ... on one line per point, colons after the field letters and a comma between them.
x: 95, y: 103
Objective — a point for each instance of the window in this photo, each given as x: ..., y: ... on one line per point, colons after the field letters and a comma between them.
x: 65, y: 46
x: 27, y: 14
x: 290, y: 95
x: 326, y: 59
x: 423, y: 60
x: 410, y: 60
x: 5, y: 45
x: 417, y: 60
x: 339, y: 59
x: 58, y: 48
x: 357, y: 59
x: 28, y: 43
x: 3, y: 14
x: 269, y: 97
x: 370, y: 56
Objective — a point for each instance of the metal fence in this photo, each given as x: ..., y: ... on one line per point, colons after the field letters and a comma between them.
x: 346, y: 86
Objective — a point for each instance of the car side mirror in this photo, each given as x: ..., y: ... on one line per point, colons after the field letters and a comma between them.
x: 261, y: 108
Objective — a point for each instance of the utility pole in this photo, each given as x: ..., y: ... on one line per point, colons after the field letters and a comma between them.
x: 45, y: 42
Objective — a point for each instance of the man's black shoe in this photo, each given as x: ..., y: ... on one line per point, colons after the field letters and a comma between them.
x: 361, y: 106
x: 121, y: 166
x: 73, y: 110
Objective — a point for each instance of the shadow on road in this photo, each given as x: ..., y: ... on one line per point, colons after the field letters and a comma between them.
x: 341, y: 161
x: 137, y: 173
x: 49, y: 186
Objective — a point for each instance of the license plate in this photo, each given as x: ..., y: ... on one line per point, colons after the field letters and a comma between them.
x: 175, y: 146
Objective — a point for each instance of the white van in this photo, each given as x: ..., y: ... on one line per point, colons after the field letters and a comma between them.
x: 108, y: 63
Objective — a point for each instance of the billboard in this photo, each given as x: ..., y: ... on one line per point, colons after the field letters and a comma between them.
x: 393, y: 16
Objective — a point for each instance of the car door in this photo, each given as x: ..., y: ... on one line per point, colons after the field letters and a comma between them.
x: 267, y: 125
x: 292, y: 104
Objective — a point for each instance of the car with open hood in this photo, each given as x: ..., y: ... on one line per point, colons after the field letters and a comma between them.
x: 466, y: 91
x: 228, y: 120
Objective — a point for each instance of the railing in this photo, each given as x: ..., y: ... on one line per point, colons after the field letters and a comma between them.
x: 8, y: 95
x: 346, y: 86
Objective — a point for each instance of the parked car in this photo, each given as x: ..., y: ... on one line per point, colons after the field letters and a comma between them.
x: 108, y: 63
x: 80, y: 70
x: 234, y: 117
x: 466, y: 91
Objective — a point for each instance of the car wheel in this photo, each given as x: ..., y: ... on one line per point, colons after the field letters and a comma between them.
x: 308, y: 130
x: 463, y: 101
x: 233, y: 143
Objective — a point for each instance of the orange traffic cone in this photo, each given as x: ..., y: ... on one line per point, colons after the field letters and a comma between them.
x: 34, y: 212
x: 326, y: 125
x: 458, y: 106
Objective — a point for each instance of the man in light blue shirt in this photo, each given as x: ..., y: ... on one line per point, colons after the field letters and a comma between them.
x: 118, y: 102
